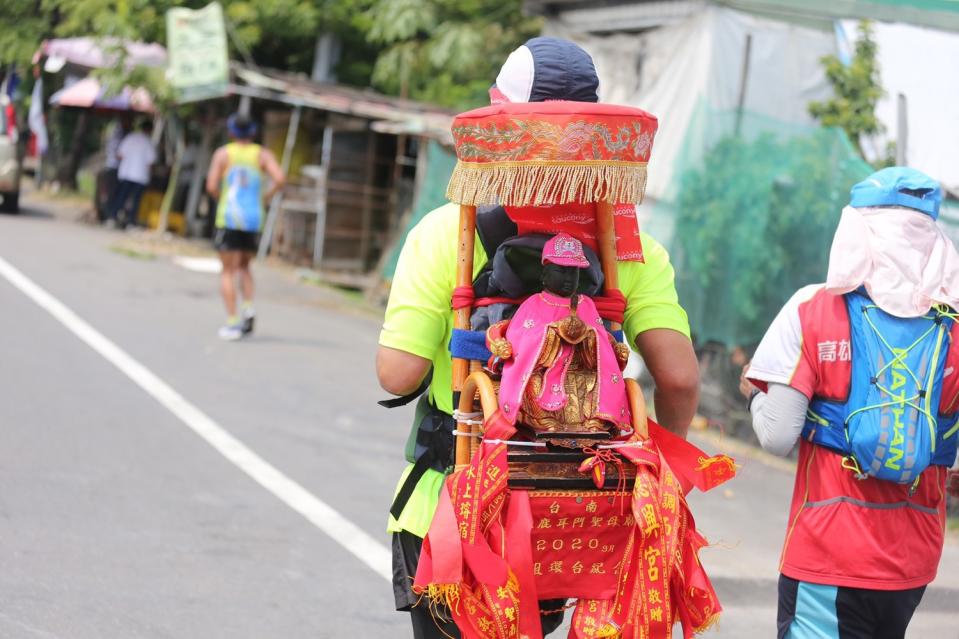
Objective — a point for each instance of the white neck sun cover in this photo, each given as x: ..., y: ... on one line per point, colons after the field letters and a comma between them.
x: 901, y: 256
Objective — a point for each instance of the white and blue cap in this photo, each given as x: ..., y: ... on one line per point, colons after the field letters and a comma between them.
x: 899, y: 186
x: 547, y: 69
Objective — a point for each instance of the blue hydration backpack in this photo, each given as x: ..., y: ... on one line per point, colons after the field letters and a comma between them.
x: 890, y: 427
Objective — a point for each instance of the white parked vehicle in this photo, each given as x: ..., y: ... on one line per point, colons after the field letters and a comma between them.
x: 11, y: 168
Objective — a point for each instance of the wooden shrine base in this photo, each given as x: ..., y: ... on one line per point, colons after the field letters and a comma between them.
x: 558, y: 469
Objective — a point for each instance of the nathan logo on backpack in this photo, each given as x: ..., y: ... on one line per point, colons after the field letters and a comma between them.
x: 893, y: 425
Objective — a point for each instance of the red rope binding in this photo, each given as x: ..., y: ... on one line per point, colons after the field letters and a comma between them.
x: 611, y: 307
x: 463, y: 297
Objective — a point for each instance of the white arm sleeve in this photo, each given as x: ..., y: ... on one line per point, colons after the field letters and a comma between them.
x: 778, y: 418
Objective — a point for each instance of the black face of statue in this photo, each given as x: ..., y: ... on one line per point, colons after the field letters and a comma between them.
x: 560, y: 280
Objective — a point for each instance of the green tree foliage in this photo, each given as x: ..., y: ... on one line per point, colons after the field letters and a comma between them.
x: 25, y: 24
x: 445, y: 51
x: 755, y: 224
x: 277, y: 33
x: 442, y: 51
x: 857, y: 89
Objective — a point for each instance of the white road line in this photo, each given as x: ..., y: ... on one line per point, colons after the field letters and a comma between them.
x: 316, y: 511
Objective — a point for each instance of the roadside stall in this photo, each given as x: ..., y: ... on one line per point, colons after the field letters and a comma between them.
x: 122, y: 108
x: 71, y: 61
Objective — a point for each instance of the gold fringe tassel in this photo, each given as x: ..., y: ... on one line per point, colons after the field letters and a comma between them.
x: 542, y: 183
x: 706, y: 625
x: 442, y: 594
x: 437, y: 596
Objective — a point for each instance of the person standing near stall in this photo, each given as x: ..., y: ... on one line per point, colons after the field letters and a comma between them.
x: 136, y: 155
x: 108, y: 179
x: 236, y: 178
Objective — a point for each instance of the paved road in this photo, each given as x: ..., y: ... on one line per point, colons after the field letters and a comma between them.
x: 118, y: 520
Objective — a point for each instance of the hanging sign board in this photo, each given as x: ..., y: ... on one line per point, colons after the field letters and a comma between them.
x: 196, y: 42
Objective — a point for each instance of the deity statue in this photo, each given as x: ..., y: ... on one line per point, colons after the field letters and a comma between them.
x: 561, y: 369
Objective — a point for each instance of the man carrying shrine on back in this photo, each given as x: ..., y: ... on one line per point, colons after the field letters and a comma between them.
x: 419, y: 321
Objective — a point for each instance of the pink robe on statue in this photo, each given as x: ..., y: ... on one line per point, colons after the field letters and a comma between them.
x: 527, y: 333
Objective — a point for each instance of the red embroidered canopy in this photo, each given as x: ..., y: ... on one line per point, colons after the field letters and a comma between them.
x: 546, y: 153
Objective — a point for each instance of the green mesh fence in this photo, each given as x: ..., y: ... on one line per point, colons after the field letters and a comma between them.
x: 755, y: 204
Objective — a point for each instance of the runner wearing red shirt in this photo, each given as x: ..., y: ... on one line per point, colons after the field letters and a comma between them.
x: 861, y: 548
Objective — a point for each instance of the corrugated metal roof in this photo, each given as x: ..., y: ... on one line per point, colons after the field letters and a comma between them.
x: 390, y: 114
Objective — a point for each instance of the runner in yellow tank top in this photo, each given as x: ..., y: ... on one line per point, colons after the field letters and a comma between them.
x: 241, y: 191
x: 236, y: 176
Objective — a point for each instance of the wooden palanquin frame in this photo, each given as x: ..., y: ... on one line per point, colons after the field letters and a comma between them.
x: 542, y: 154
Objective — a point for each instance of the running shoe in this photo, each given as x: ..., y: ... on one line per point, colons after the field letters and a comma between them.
x: 249, y: 317
x: 231, y: 332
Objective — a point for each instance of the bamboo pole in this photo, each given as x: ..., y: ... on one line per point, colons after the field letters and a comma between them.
x: 274, y: 210
x: 637, y: 408
x: 461, y: 320
x: 478, y: 382
x: 200, y: 167
x: 323, y: 192
x: 606, y: 238
x: 167, y: 203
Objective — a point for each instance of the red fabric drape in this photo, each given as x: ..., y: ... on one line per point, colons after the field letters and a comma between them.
x: 611, y: 307
x: 490, y: 581
x: 579, y: 220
